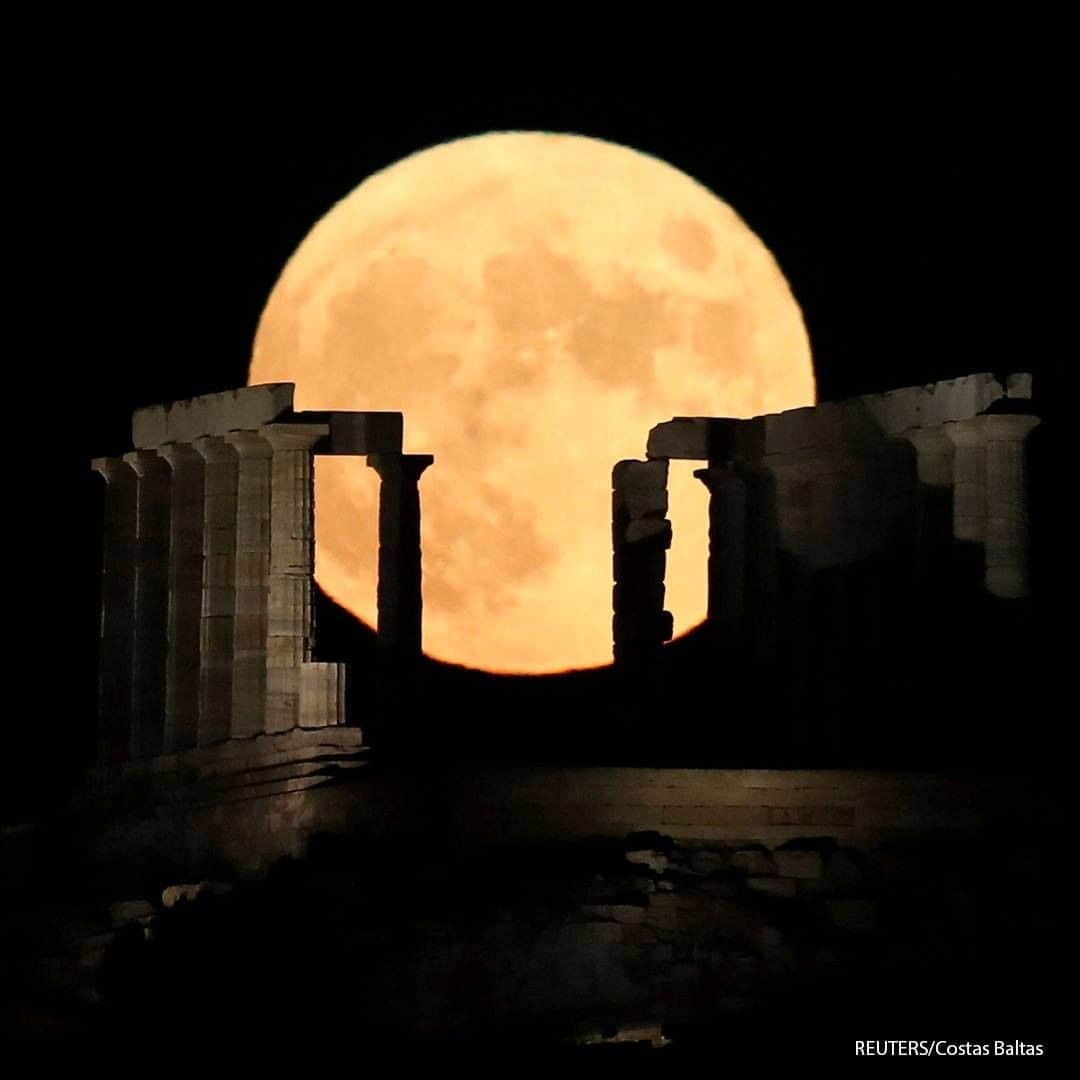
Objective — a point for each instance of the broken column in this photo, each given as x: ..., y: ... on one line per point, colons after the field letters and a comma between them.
x: 1006, y: 531
x: 219, y: 589
x: 641, y: 536
x: 151, y: 609
x: 399, y: 599
x: 185, y: 595
x: 254, y: 455
x: 117, y: 610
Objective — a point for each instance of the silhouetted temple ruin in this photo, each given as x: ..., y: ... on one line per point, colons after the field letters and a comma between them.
x: 249, y: 835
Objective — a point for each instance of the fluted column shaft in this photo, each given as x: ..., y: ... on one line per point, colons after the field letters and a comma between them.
x: 292, y: 562
x: 969, y: 479
x: 218, y: 591
x: 151, y: 601
x: 185, y: 595
x: 1007, y: 541
x: 250, y: 625
x: 117, y: 610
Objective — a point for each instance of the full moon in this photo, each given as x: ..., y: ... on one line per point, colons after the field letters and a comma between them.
x: 533, y: 303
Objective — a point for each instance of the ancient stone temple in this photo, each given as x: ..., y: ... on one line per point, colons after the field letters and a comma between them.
x: 207, y: 630
x: 247, y: 844
x: 911, y: 490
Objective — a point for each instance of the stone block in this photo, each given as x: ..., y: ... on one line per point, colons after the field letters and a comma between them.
x: 693, y: 438
x: 357, y: 433
x: 213, y: 414
x: 651, y: 529
x: 640, y: 488
x: 322, y: 694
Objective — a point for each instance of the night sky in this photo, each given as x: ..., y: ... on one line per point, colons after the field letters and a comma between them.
x: 908, y: 202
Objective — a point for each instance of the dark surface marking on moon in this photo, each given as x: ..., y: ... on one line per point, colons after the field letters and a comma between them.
x: 689, y: 242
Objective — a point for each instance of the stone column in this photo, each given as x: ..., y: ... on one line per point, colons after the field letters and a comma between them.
x: 250, y: 625
x: 117, y: 611
x: 969, y: 480
x: 727, y: 547
x: 292, y: 563
x: 400, y: 602
x: 641, y: 536
x: 185, y: 595
x: 1007, y: 544
x: 218, y: 589
x: 151, y: 601
x: 933, y: 525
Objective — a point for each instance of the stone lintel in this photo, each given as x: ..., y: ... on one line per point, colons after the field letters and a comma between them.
x: 356, y: 434
x: 212, y: 414
x: 857, y: 421
x: 407, y: 465
x: 693, y: 438
x: 295, y: 436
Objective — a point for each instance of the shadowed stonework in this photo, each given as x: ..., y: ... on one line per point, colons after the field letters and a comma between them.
x: 651, y: 853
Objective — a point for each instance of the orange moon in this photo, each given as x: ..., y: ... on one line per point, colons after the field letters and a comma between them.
x: 533, y: 303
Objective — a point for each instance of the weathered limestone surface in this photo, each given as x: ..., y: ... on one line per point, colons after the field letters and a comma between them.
x: 207, y: 622
x: 292, y: 562
x: 219, y: 590
x: 1004, y: 436
x: 214, y: 414
x: 151, y: 613
x: 185, y: 595
x: 969, y: 479
x: 252, y: 569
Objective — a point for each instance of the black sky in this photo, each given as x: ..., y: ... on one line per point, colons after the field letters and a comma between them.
x: 908, y: 202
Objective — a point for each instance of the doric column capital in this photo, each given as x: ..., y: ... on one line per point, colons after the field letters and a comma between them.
x: 406, y: 466
x: 965, y: 433
x: 112, y: 469
x: 178, y: 454
x: 719, y: 478
x: 933, y: 454
x: 1007, y: 427
x: 250, y: 444
x: 214, y: 448
x: 146, y: 462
